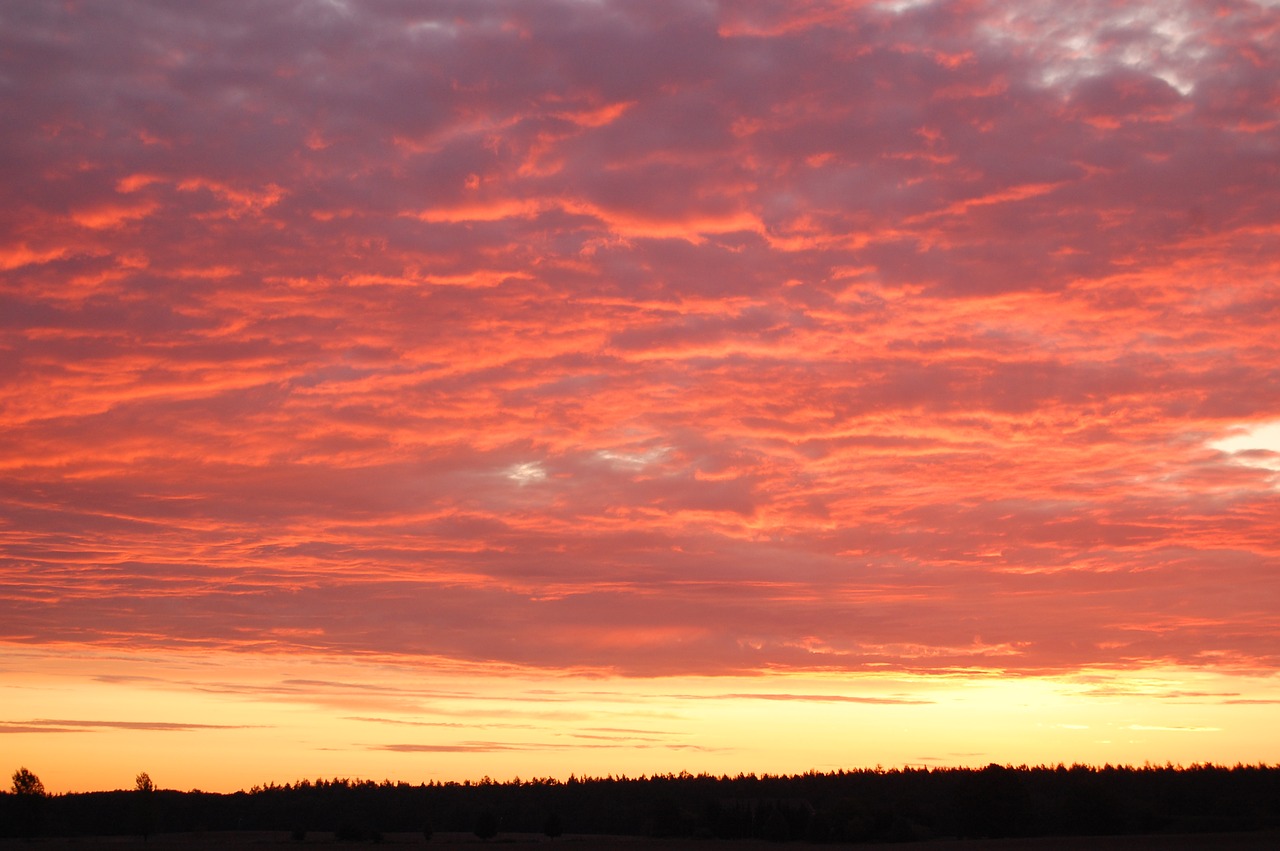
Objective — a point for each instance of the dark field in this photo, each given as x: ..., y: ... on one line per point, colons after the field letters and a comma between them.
x: 275, y: 841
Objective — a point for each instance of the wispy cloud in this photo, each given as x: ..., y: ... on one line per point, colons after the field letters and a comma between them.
x: 819, y: 698
x: 1159, y: 729
x: 491, y: 747
x: 462, y: 747
x: 47, y: 725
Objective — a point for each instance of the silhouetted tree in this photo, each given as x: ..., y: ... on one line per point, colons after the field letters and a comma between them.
x: 144, y: 811
x: 818, y: 829
x: 666, y: 819
x: 26, y: 783
x: 774, y: 824
x: 552, y: 826
x: 996, y: 803
x: 29, y: 793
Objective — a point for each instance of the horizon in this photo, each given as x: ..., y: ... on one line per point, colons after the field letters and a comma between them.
x: 570, y: 779
x: 463, y: 389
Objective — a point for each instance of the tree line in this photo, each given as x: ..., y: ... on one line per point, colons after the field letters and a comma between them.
x: 866, y: 805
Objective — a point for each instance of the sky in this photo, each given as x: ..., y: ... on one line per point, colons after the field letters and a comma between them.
x: 525, y: 388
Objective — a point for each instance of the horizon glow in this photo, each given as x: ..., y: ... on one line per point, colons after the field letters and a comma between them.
x: 436, y: 390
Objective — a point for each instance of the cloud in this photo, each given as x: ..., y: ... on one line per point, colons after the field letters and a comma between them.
x: 463, y: 747
x: 499, y: 747
x: 642, y: 339
x: 825, y: 698
x: 1147, y: 727
x: 46, y: 725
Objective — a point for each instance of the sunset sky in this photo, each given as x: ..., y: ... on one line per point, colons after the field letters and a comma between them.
x: 430, y: 390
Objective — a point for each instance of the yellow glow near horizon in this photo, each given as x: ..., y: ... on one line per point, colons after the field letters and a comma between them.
x: 228, y: 722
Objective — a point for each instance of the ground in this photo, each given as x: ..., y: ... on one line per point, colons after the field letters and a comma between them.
x: 280, y: 841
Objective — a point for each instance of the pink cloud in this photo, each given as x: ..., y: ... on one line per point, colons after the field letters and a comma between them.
x: 643, y: 338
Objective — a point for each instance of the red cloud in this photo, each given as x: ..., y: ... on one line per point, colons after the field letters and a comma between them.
x: 637, y: 338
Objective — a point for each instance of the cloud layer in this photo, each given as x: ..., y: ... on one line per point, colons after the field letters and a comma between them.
x: 661, y: 338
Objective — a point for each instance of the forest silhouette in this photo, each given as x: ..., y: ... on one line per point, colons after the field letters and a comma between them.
x: 858, y: 806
